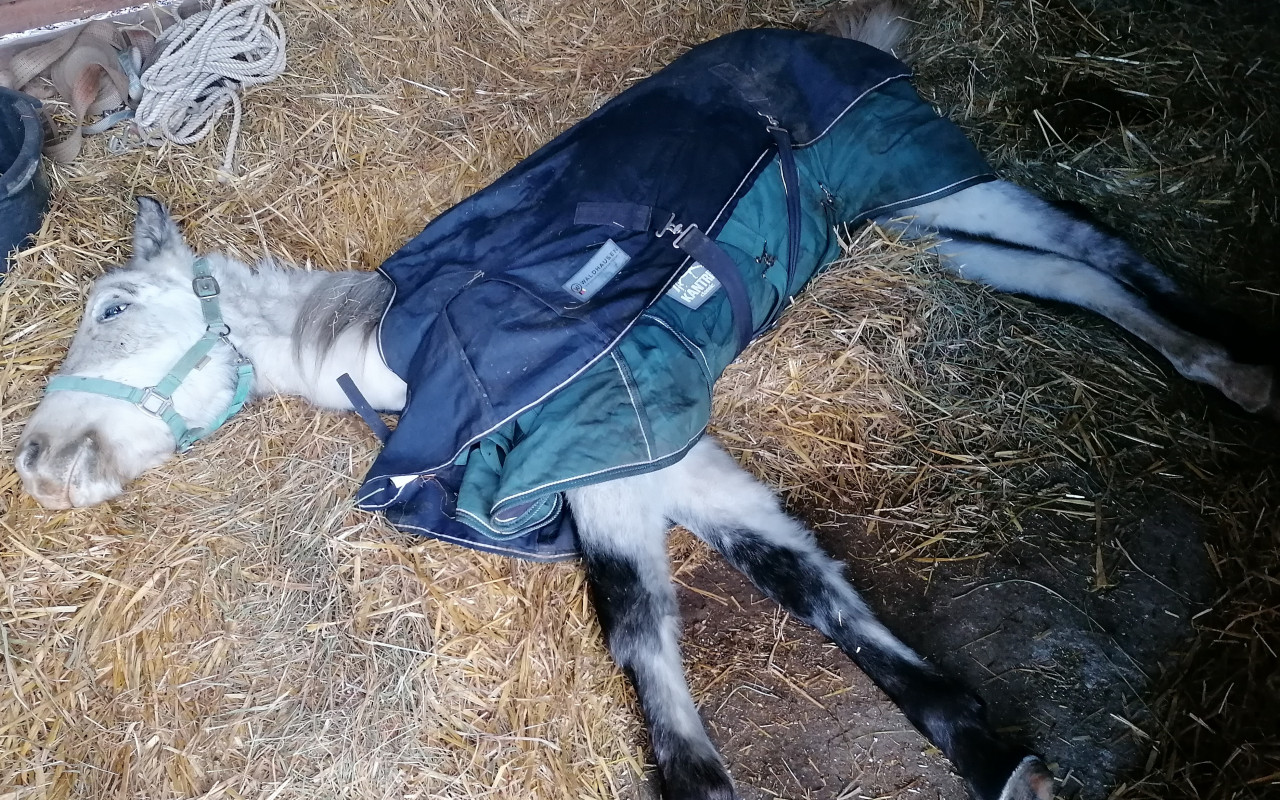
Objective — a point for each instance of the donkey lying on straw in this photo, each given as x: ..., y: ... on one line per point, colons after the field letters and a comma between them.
x: 155, y: 366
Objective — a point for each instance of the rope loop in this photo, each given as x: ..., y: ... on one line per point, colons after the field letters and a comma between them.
x: 173, y: 88
x: 203, y: 63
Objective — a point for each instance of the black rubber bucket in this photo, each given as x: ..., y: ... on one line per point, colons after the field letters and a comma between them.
x: 24, y: 188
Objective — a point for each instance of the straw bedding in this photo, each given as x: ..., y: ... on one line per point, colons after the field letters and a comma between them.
x: 232, y: 628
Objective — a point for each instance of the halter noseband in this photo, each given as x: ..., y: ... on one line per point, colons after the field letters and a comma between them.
x: 157, y: 400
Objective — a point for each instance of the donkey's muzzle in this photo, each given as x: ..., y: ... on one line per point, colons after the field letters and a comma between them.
x: 61, y: 477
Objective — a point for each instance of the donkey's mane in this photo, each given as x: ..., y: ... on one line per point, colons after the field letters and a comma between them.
x: 338, y: 303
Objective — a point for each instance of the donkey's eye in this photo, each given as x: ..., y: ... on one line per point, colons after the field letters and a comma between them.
x: 112, y: 311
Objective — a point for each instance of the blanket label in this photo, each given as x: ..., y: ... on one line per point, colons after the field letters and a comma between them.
x: 607, y: 262
x: 694, y: 287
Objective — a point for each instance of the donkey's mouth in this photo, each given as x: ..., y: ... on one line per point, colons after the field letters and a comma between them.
x: 65, y: 477
x: 54, y: 493
x: 50, y: 495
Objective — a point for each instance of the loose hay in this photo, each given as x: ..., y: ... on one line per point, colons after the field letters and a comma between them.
x: 232, y: 628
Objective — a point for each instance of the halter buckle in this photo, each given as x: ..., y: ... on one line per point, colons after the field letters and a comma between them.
x: 206, y: 287
x: 154, y: 403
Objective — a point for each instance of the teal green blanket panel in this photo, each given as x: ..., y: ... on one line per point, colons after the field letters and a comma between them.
x: 648, y: 400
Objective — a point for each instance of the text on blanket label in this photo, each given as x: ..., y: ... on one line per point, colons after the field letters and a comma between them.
x: 598, y: 271
x: 694, y: 287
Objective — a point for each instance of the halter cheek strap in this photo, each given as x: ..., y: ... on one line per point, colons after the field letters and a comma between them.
x: 157, y: 400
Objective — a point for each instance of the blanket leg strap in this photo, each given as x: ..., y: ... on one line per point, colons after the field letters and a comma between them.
x: 362, y: 407
x: 758, y: 94
x: 791, y: 187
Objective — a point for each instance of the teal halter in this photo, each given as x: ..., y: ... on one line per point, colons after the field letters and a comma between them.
x: 158, y: 400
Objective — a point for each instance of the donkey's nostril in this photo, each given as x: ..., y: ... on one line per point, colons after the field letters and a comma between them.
x: 30, y: 452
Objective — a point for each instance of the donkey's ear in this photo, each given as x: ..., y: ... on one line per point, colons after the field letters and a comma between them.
x: 154, y: 232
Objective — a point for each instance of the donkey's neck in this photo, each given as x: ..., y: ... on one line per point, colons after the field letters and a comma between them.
x: 302, y: 329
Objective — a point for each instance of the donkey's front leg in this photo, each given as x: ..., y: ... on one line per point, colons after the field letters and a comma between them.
x: 711, y: 495
x: 622, y: 532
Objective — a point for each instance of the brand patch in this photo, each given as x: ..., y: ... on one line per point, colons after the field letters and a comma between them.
x: 694, y: 287
x: 598, y: 271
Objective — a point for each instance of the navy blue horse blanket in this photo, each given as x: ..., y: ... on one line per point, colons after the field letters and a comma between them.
x: 565, y: 325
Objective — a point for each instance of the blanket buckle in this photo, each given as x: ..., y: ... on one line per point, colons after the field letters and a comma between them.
x: 671, y: 227
x: 679, y: 229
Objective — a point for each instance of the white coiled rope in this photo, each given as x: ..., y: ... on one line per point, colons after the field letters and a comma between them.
x: 203, y: 62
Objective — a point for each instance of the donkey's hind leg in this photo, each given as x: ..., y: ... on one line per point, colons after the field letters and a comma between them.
x: 1005, y: 212
x: 1053, y: 277
x: 622, y: 533
x: 1010, y: 239
x: 711, y: 495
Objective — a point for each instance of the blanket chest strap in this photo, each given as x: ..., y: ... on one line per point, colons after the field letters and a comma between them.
x: 702, y: 248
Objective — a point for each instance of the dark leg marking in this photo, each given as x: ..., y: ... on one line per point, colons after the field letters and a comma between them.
x: 809, y: 586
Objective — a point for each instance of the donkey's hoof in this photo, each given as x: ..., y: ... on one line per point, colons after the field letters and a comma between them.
x: 1253, y: 387
x: 693, y: 778
x: 1030, y: 781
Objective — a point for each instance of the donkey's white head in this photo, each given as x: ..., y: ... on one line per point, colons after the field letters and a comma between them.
x: 82, y: 445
